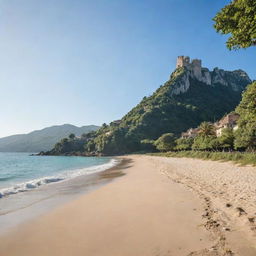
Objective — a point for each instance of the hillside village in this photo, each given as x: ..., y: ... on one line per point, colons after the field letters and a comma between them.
x: 228, y: 121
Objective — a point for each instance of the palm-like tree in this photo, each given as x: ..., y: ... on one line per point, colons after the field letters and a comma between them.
x: 206, y: 129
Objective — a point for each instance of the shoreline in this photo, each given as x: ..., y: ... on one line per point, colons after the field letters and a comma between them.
x: 157, y: 208
x: 25, y: 206
x: 53, y: 178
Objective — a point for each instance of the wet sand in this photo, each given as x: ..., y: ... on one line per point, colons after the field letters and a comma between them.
x: 22, y: 207
x: 157, y: 208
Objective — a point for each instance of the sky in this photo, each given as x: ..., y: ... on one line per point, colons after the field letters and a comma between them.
x: 90, y: 61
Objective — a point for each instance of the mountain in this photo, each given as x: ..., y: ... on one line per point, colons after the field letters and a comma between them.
x: 41, y: 140
x: 193, y: 94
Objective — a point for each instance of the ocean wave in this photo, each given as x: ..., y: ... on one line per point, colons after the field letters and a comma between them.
x: 7, y: 178
x: 32, y: 184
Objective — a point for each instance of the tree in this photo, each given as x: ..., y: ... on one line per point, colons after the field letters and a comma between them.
x: 104, y: 125
x: 72, y: 136
x: 64, y: 141
x: 89, y: 135
x: 166, y: 142
x: 245, y: 136
x: 89, y: 146
x: 205, y: 143
x: 62, y: 147
x: 148, y: 145
x: 239, y: 20
x: 214, y: 143
x: 184, y: 143
x: 206, y: 129
x: 226, y: 139
x: 58, y: 147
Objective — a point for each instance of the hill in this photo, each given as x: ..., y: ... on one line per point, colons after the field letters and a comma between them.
x: 193, y: 94
x: 41, y: 140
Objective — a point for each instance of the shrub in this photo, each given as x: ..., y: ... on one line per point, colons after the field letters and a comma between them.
x: 166, y: 142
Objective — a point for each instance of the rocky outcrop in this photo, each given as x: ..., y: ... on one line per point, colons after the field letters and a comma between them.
x: 237, y: 80
x: 182, y: 84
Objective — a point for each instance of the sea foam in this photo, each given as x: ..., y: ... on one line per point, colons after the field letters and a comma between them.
x: 35, y: 183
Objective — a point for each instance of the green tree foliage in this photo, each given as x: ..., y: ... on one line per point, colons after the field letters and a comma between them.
x: 243, y: 158
x: 148, y: 145
x: 205, y: 143
x: 245, y: 136
x: 67, y: 145
x: 206, y: 129
x: 238, y: 19
x: 90, y: 146
x: 112, y: 142
x: 72, y: 136
x: 226, y: 140
x: 184, y: 143
x: 206, y: 140
x: 89, y: 135
x: 166, y: 142
x: 104, y: 125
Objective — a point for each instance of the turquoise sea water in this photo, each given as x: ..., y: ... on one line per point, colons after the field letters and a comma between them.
x: 21, y: 172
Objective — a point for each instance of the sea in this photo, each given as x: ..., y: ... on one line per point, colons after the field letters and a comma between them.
x: 32, y: 185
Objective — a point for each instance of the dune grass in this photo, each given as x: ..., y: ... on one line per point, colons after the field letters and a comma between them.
x: 243, y: 158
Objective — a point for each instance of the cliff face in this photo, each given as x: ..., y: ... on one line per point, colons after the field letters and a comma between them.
x: 236, y: 80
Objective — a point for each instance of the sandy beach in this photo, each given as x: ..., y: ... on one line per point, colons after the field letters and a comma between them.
x: 160, y: 207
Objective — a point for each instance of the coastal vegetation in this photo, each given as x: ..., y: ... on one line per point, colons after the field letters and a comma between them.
x: 166, y: 142
x: 208, y: 146
x: 242, y: 139
x: 245, y: 136
x: 244, y: 158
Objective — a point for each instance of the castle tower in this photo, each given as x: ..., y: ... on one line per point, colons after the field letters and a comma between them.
x: 196, y: 63
x: 182, y: 61
x: 197, y: 68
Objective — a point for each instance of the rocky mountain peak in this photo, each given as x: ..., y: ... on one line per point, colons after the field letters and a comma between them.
x: 186, y: 71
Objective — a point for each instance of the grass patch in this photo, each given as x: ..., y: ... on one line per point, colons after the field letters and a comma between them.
x: 243, y: 158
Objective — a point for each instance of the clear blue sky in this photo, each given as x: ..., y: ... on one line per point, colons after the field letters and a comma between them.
x: 90, y: 61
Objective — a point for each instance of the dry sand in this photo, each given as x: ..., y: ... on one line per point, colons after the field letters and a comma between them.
x: 161, y: 207
x: 229, y: 195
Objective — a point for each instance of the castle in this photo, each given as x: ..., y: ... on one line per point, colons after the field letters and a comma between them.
x: 195, y: 65
x: 184, y: 61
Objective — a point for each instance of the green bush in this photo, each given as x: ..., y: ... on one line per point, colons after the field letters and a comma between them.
x: 245, y: 136
x: 184, y: 143
x: 166, y: 142
x: 243, y: 158
x: 205, y: 143
x: 226, y: 139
